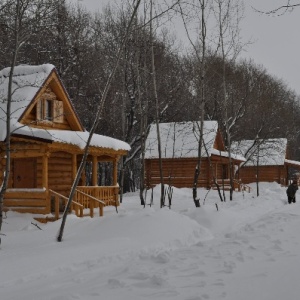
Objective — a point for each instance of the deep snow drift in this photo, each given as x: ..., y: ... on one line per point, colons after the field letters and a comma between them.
x: 249, y: 249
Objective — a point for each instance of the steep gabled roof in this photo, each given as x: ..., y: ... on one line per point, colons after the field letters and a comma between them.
x: 180, y: 140
x: 269, y: 152
x: 28, y: 82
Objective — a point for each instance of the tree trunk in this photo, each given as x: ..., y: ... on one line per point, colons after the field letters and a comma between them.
x: 95, y: 124
x: 8, y: 114
x: 162, y: 193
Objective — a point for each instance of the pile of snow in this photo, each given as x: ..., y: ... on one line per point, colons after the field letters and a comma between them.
x: 248, y: 249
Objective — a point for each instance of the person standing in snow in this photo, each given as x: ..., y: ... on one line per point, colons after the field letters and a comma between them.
x: 291, y: 191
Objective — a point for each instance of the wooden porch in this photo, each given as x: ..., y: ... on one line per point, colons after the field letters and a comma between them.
x: 42, y: 175
x: 41, y: 201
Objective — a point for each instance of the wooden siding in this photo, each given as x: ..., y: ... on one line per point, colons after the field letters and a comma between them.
x: 177, y: 172
x: 27, y: 200
x: 266, y: 174
x: 60, y: 172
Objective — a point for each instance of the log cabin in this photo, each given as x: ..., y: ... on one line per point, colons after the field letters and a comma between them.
x: 179, y: 152
x: 266, y: 161
x: 47, y: 145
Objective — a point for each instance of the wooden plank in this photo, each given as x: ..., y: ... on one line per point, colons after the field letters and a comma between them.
x: 25, y: 202
x: 94, y: 170
x: 24, y: 195
x: 31, y: 210
x: 45, y: 172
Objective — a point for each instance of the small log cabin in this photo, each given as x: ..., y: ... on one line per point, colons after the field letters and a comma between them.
x: 47, y: 145
x: 266, y: 161
x: 179, y: 147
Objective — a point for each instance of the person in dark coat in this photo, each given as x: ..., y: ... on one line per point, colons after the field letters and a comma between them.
x: 291, y: 192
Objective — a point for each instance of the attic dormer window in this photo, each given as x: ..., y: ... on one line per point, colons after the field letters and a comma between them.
x: 44, y: 110
x: 49, y: 108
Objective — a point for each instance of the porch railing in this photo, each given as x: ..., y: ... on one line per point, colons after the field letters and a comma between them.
x: 107, y: 194
x: 62, y: 200
x: 237, y: 185
x: 88, y: 201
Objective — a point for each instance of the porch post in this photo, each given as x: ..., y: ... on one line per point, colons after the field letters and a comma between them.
x: 115, y: 181
x: 95, y: 171
x: 74, y: 166
x: 115, y: 170
x: 45, y: 181
x: 74, y: 172
x: 45, y: 171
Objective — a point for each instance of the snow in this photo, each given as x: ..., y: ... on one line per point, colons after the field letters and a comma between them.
x: 180, y: 139
x: 77, y: 138
x: 269, y: 152
x: 27, y: 81
x: 248, y: 249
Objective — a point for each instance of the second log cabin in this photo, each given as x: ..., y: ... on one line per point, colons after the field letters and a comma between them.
x: 179, y: 152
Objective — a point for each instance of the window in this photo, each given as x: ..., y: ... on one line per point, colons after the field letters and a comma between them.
x: 48, y: 110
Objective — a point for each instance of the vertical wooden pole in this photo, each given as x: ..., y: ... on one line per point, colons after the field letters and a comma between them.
x: 74, y: 171
x: 95, y: 171
x: 74, y: 166
x: 45, y: 181
x: 115, y: 181
x: 115, y: 172
x: 45, y: 171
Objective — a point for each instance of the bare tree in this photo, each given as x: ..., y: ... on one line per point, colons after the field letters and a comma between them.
x: 228, y: 16
x: 156, y: 106
x: 96, y: 121
x: 20, y: 21
x: 200, y: 54
x: 280, y: 10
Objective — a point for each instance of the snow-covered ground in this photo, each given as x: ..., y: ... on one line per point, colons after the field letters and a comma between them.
x: 248, y: 249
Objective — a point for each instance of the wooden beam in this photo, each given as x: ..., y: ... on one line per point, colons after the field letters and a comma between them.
x: 95, y: 171
x: 74, y: 166
x: 23, y: 154
x: 115, y: 170
x: 45, y: 171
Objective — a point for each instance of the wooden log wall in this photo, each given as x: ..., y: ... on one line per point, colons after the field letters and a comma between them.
x: 60, y: 172
x: 2, y: 166
x: 266, y: 174
x: 177, y: 172
x: 27, y: 201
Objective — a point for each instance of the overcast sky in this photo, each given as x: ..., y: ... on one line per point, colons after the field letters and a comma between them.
x: 276, y: 39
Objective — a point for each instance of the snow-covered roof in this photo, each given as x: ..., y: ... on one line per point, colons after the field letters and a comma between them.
x: 27, y: 81
x: 268, y: 152
x: 76, y: 138
x: 292, y: 162
x: 180, y: 140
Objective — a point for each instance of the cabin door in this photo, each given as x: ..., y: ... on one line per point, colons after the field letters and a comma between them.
x: 24, y: 173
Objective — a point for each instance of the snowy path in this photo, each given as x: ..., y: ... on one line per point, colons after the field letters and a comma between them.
x: 248, y: 250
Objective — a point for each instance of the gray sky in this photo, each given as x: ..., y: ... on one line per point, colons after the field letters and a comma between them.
x: 275, y: 39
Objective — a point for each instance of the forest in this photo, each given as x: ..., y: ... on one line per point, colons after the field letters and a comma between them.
x: 83, y: 47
